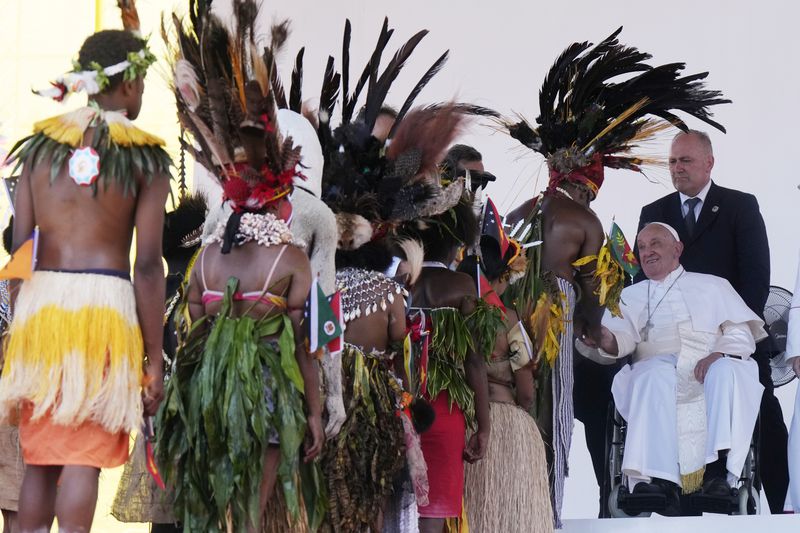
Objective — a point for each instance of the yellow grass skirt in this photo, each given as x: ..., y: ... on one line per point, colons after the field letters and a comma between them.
x: 508, y: 490
x: 74, y: 352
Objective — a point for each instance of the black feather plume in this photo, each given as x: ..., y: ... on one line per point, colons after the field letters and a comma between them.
x: 435, y: 68
x: 372, y: 65
x: 346, y: 64
x: 275, y: 82
x: 330, y: 91
x: 379, y: 87
x: 597, y: 99
x: 296, y: 91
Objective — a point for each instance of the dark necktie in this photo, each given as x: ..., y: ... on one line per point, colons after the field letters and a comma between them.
x: 690, y: 219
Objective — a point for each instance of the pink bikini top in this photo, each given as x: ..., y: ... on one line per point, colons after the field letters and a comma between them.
x: 263, y: 296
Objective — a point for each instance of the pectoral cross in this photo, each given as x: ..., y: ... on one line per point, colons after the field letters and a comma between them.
x: 646, y: 330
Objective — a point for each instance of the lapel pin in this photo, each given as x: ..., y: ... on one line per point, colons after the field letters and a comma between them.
x: 715, y: 209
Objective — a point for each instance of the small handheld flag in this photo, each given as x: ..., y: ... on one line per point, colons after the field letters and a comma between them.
x: 150, y: 461
x: 622, y: 251
x: 23, y: 260
x: 493, y: 227
x: 337, y: 344
x: 323, y: 324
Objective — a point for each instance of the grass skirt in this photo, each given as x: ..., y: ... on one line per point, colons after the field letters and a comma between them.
x: 216, y: 422
x: 75, y: 352
x: 361, y: 463
x: 73, y: 364
x: 508, y: 490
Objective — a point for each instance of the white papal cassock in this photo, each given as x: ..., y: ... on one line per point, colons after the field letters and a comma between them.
x: 792, y: 351
x: 676, y: 425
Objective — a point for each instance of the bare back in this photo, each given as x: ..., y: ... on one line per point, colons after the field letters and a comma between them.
x: 257, y: 268
x: 570, y: 231
x: 78, y: 229
x: 378, y: 330
x: 439, y: 287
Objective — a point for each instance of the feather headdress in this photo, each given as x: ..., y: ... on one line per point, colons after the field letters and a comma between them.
x: 587, y: 121
x: 224, y: 90
x: 130, y: 16
x: 183, y: 227
x: 373, y: 184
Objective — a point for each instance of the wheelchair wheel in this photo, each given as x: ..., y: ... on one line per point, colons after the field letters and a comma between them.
x: 749, y: 501
x: 750, y: 487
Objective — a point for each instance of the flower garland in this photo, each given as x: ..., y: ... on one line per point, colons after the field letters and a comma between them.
x: 265, y: 229
x: 96, y: 78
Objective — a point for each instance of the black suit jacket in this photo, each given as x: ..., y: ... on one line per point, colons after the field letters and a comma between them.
x: 730, y: 240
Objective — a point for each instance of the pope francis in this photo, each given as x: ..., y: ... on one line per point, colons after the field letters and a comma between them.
x: 691, y: 393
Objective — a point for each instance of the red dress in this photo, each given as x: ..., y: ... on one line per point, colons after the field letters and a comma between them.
x: 443, y: 448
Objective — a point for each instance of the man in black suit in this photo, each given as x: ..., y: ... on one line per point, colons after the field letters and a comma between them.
x: 724, y: 234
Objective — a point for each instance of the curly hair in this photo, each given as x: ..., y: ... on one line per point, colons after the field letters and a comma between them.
x: 109, y: 47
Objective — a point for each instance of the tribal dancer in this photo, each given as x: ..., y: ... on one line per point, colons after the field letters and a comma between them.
x: 78, y: 319
x: 515, y: 457
x: 456, y: 334
x: 374, y: 185
x: 312, y: 222
x: 234, y: 420
x: 587, y: 122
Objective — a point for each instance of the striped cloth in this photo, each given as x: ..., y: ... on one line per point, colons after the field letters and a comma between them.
x: 563, y: 409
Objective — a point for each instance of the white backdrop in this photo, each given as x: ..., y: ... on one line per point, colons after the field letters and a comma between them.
x: 501, y: 50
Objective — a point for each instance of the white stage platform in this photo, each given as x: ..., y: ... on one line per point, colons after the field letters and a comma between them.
x: 695, y: 524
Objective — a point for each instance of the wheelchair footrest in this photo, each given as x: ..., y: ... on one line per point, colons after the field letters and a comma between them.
x: 634, y: 504
x: 715, y: 504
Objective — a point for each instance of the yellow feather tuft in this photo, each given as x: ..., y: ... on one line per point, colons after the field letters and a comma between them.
x: 129, y: 135
x: 67, y: 128
x: 60, y: 130
x: 609, y: 275
x: 547, y: 326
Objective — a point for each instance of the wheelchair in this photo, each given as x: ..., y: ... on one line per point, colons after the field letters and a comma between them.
x: 620, y: 502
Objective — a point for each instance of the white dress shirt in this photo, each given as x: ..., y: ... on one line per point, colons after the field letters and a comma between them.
x: 701, y: 195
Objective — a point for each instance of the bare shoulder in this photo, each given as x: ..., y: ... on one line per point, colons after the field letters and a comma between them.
x: 295, y: 256
x: 522, y: 212
x: 462, y: 284
x: 559, y: 210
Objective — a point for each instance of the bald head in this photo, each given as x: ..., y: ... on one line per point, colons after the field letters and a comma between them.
x: 659, y: 250
x: 690, y: 162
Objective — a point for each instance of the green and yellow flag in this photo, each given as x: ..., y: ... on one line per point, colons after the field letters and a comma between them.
x: 622, y: 251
